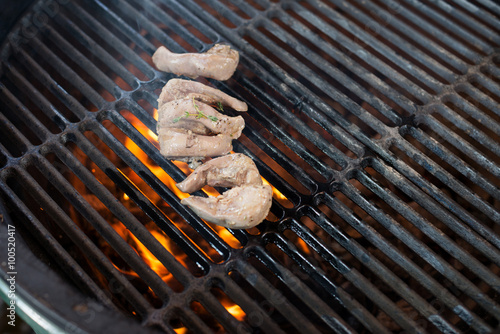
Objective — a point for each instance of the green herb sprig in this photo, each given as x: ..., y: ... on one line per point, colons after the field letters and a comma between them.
x: 198, y: 115
x: 219, y: 106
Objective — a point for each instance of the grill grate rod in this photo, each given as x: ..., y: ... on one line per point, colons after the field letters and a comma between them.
x: 358, y: 281
x: 381, y: 48
x: 338, y: 56
x: 422, y: 199
x: 477, y: 95
x: 457, y: 29
x: 427, y: 254
x: 114, y: 42
x: 474, y: 132
x: 327, y: 68
x: 481, y: 13
x: 459, y: 165
x: 82, y: 61
x: 426, y: 45
x: 20, y: 141
x: 354, y: 276
x: 68, y: 73
x: 348, y: 164
x: 287, y: 96
x: 131, y: 222
x: 50, y: 243
x: 47, y: 108
x: 474, y: 112
x: 312, y: 300
x: 161, y: 189
x: 375, y: 238
x: 41, y: 75
x: 266, y: 324
x: 77, y: 236
x: 433, y: 233
x: 276, y: 299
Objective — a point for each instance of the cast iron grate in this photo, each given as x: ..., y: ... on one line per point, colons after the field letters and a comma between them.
x: 377, y: 122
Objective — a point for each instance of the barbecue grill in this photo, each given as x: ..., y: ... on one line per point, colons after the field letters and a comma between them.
x: 377, y: 123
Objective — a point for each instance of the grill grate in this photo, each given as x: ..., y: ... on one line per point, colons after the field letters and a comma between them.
x: 377, y: 122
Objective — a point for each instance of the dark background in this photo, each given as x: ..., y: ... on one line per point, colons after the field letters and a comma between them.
x: 10, y: 11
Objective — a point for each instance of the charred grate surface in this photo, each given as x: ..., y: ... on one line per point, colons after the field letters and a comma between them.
x: 377, y: 122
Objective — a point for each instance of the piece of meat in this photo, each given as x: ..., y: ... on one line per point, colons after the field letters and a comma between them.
x: 180, y: 89
x: 198, y: 117
x: 184, y: 145
x: 240, y: 207
x: 218, y: 63
x: 232, y: 170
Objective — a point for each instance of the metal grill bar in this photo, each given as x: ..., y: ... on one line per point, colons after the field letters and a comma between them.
x: 40, y: 74
x: 460, y: 164
x: 90, y: 68
x: 100, y: 224
x: 311, y: 300
x: 458, y: 30
x: 325, y: 66
x: 486, y: 100
x: 430, y: 256
x: 99, y: 52
x: 266, y: 323
x: 387, y: 19
x: 290, y: 311
x: 474, y: 132
x: 23, y: 84
x: 367, y: 76
x: 382, y: 49
x: 64, y: 259
x: 15, y: 104
x: 490, y: 5
x: 460, y: 229
x: 397, y: 87
x: 69, y: 74
x: 127, y: 218
x: 79, y: 238
x: 424, y: 279
x: 27, y: 117
x: 433, y: 233
x: 423, y: 42
x: 355, y: 276
x: 331, y: 151
x: 474, y: 112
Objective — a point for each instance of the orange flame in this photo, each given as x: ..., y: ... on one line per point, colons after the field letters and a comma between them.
x: 276, y: 193
x: 142, y: 250
x: 235, y: 310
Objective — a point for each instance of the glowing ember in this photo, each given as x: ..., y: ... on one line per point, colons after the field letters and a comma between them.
x: 303, y: 246
x: 235, y: 310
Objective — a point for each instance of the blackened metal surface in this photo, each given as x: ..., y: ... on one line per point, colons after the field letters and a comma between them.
x: 376, y: 122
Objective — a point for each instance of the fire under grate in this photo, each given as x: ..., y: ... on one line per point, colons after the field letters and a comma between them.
x: 376, y: 122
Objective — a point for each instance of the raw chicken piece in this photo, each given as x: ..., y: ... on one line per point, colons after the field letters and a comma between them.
x: 240, y: 207
x: 198, y: 117
x: 218, y: 63
x: 228, y: 171
x: 184, y: 145
x: 179, y: 89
